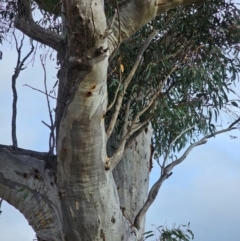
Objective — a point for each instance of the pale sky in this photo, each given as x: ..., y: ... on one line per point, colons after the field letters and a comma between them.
x: 204, y: 190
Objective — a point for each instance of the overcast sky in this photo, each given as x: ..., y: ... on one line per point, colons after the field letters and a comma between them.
x: 204, y: 190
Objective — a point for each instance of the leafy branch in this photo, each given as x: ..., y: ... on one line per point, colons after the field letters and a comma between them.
x: 136, y: 124
x: 126, y: 82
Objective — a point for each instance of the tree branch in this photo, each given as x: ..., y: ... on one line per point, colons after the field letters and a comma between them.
x: 127, y: 81
x: 136, y: 14
x: 115, y: 95
x: 118, y: 154
x: 172, y: 143
x: 30, y: 153
x: 52, y: 140
x: 19, y: 67
x: 166, y: 172
x: 25, y: 23
x: 41, y: 91
x: 25, y: 184
x: 152, y: 102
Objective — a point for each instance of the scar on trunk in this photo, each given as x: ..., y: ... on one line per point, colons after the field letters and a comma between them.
x: 151, y: 156
x: 102, y: 235
x: 90, y: 91
x: 160, y: 2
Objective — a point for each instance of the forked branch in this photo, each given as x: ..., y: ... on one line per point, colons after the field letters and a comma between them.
x: 25, y: 23
x: 117, y: 156
x: 126, y: 82
x: 19, y: 67
x: 166, y: 171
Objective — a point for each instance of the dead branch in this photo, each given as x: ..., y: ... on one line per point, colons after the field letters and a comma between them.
x: 19, y: 67
x: 52, y: 140
x: 40, y: 91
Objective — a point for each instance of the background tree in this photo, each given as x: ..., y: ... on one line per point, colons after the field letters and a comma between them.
x: 123, y: 66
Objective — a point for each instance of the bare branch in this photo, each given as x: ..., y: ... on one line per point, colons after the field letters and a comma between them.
x: 172, y: 143
x: 234, y: 123
x: 170, y: 166
x: 166, y: 172
x: 1, y: 200
x: 117, y: 155
x: 40, y: 91
x: 52, y: 140
x: 116, y: 94
x: 127, y: 81
x: 46, y: 124
x: 19, y: 67
x: 25, y: 23
x: 150, y: 199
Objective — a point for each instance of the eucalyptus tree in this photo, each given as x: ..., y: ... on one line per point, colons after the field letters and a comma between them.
x: 136, y: 80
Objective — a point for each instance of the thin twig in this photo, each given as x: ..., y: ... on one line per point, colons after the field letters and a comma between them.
x: 234, y: 123
x: 1, y: 200
x: 52, y: 127
x: 46, y: 125
x: 116, y: 93
x: 171, y: 144
x: 40, y: 91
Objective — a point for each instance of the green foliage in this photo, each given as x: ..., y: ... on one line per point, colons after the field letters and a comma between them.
x: 181, y: 233
x: 191, y: 66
